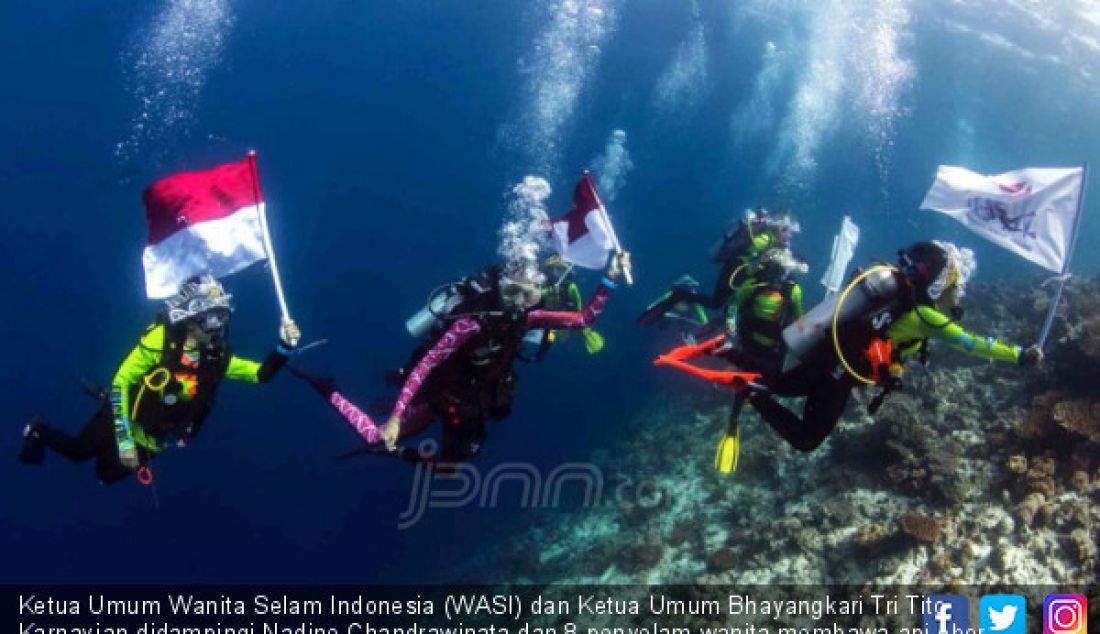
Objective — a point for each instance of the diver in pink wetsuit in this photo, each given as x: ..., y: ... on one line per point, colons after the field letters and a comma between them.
x: 463, y: 375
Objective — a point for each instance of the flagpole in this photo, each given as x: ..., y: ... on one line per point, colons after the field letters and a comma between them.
x: 610, y: 228
x: 262, y: 209
x: 1049, y: 322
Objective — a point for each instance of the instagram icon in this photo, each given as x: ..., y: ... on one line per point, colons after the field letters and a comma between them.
x: 1065, y: 614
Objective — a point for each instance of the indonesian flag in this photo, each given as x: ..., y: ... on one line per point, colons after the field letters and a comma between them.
x: 202, y: 222
x: 1032, y: 212
x: 583, y: 236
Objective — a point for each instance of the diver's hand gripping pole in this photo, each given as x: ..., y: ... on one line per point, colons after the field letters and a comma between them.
x: 618, y: 248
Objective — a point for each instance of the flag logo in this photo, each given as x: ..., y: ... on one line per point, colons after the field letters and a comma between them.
x: 1011, y: 218
x: 1022, y: 188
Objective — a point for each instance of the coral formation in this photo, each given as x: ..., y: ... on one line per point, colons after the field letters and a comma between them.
x: 922, y: 527
x: 722, y: 560
x: 1030, y: 507
x: 1080, y: 416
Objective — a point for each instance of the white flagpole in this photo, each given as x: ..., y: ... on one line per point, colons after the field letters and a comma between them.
x: 262, y: 208
x: 1049, y: 322
x: 610, y: 228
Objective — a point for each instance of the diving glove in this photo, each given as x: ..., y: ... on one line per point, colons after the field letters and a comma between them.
x: 390, y: 431
x: 1031, y: 356
x: 290, y: 334
x: 129, y: 457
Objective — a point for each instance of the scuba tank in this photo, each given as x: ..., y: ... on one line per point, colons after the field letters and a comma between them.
x: 477, y: 292
x: 442, y: 301
x: 738, y: 236
x: 534, y: 344
x: 871, y: 291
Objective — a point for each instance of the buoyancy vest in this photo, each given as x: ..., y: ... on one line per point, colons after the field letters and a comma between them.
x: 761, y: 325
x: 176, y: 395
x: 488, y: 356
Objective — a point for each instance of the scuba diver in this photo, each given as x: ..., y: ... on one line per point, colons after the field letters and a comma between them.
x: 885, y: 317
x: 741, y: 244
x: 462, y: 373
x: 559, y: 292
x: 164, y: 389
x: 767, y: 301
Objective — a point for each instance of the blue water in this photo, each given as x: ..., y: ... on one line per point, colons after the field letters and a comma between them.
x: 389, y: 134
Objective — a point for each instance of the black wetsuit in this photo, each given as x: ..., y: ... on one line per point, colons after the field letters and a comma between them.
x: 95, y: 440
x: 826, y: 392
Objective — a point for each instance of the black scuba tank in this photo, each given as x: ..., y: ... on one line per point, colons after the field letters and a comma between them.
x: 735, y: 239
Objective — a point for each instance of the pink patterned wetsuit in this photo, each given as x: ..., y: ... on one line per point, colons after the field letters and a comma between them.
x: 456, y: 336
x: 357, y: 418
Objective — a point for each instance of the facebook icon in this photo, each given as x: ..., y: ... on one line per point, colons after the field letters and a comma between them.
x: 946, y: 614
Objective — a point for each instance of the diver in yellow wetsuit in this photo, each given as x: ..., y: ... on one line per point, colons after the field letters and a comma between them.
x: 164, y: 389
x: 873, y: 346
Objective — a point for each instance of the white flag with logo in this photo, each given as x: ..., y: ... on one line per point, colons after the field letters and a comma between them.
x: 1031, y: 212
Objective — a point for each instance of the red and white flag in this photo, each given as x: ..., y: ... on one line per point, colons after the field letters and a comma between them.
x: 202, y: 222
x: 583, y: 235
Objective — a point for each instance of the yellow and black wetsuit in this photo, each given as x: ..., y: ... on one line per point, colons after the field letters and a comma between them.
x: 161, y: 393
x: 761, y: 310
x: 736, y: 270
x: 733, y: 275
x: 827, y: 385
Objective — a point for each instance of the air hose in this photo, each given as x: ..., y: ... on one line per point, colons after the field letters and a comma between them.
x: 836, y: 318
x: 156, y: 381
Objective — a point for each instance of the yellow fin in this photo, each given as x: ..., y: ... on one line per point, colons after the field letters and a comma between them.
x: 593, y: 341
x: 729, y: 449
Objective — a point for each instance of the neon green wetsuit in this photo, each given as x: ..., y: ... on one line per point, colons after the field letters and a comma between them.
x: 914, y: 327
x: 146, y: 381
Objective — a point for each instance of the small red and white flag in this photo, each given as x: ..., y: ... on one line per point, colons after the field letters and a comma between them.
x: 202, y: 222
x: 583, y: 235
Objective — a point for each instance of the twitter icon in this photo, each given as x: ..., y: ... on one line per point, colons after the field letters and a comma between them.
x: 1003, y: 614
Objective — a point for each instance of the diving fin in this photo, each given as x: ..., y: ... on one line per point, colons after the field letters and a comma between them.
x: 685, y: 283
x: 324, y: 385
x: 729, y: 449
x: 377, y: 449
x: 593, y: 341
x: 680, y: 289
x: 33, y: 450
x: 655, y: 311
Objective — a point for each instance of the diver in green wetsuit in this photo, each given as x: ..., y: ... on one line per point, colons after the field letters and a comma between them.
x: 768, y: 300
x: 560, y: 292
x: 872, y: 347
x: 164, y: 389
x: 738, y: 249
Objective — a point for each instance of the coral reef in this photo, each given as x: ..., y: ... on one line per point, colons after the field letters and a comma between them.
x: 976, y: 473
x: 1080, y: 416
x: 924, y: 528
